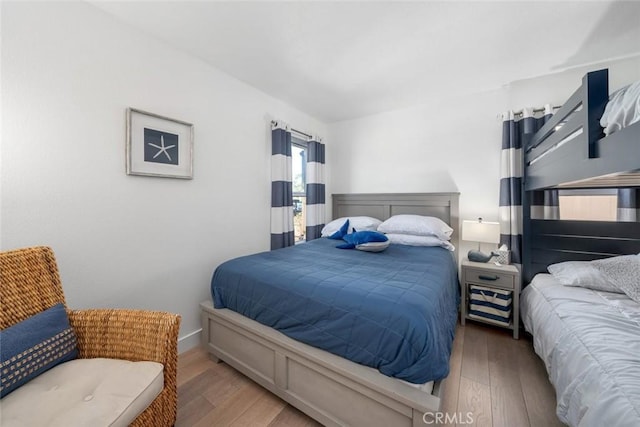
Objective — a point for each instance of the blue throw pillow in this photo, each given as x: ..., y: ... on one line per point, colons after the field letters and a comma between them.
x: 338, y: 235
x: 34, y: 346
x: 361, y: 237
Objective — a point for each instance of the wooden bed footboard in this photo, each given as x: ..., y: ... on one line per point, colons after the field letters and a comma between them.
x: 328, y: 388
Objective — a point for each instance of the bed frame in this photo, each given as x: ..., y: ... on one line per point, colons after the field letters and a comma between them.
x: 328, y: 388
x: 569, y: 151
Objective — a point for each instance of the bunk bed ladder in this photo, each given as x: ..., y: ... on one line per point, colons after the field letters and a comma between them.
x: 596, y: 95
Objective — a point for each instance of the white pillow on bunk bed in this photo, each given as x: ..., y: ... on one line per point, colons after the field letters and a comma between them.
x: 622, y: 110
x: 581, y: 274
x: 620, y: 274
x: 623, y: 272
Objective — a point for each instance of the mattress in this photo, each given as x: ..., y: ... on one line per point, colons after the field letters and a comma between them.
x: 394, y: 311
x: 590, y: 344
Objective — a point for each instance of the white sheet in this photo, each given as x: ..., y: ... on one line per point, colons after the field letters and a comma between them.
x: 590, y: 344
x: 622, y: 110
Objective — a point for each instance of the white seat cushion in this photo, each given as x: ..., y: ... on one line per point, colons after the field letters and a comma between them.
x: 84, y: 392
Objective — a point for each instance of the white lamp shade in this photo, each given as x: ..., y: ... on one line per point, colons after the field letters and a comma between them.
x: 481, y: 231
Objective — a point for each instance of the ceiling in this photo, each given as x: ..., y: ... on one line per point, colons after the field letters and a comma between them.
x: 343, y: 60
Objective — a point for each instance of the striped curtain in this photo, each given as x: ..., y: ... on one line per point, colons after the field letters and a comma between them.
x: 281, y: 188
x: 628, y: 205
x: 315, y: 189
x: 515, y: 133
x: 545, y: 204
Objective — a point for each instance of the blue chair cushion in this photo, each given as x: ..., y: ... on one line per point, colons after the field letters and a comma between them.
x: 34, y: 346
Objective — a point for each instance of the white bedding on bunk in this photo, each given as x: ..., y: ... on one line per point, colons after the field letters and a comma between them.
x: 590, y: 344
x: 622, y: 110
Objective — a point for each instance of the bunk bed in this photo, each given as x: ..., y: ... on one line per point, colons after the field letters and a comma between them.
x: 571, y: 151
x: 332, y: 389
x: 589, y: 339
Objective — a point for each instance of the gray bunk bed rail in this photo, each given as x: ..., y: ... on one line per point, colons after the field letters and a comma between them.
x: 571, y: 151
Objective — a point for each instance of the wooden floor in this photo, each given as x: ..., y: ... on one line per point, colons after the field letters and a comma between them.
x: 499, y: 380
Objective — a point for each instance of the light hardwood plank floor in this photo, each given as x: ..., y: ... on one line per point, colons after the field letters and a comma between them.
x: 500, y: 380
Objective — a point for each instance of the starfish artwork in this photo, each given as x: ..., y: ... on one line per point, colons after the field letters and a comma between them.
x: 160, y: 147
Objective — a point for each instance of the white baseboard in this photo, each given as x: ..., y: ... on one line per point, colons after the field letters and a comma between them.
x: 189, y: 341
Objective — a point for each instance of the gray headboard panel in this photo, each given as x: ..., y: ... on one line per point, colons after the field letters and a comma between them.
x: 385, y: 205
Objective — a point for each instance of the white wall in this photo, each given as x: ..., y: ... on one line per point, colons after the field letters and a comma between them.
x: 448, y: 145
x: 556, y: 88
x: 445, y: 145
x: 69, y: 72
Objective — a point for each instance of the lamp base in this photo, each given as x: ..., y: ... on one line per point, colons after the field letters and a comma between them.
x: 477, y: 256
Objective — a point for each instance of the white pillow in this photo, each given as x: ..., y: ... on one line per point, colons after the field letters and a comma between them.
x: 582, y: 274
x: 416, y: 225
x: 360, y: 223
x: 623, y: 272
x: 622, y: 110
x: 373, y: 246
x: 413, y: 240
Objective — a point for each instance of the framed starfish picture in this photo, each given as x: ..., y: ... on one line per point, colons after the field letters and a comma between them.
x: 158, y: 146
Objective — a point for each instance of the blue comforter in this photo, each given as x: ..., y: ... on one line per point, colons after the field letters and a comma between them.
x: 395, y: 311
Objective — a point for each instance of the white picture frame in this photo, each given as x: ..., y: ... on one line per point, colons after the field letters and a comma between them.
x: 158, y: 146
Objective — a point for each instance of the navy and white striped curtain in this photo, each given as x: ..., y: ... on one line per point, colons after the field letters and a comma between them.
x: 515, y: 132
x: 628, y: 205
x: 315, y: 189
x: 545, y: 204
x: 281, y: 188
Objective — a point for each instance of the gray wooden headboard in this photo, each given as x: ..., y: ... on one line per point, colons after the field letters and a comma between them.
x: 385, y: 205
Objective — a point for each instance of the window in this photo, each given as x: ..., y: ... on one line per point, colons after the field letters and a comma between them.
x: 298, y: 173
x: 588, y: 205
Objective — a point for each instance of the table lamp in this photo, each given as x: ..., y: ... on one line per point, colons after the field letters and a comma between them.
x: 482, y: 232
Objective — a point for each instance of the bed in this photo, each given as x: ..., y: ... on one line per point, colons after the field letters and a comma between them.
x: 590, y: 344
x: 572, y: 151
x: 588, y: 339
x: 330, y: 388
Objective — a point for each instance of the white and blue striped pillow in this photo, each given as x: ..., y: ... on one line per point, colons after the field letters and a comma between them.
x: 34, y: 346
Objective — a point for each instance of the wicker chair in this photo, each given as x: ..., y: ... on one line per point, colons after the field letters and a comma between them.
x: 30, y: 283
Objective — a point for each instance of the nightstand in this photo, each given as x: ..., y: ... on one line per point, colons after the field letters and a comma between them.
x: 484, y: 279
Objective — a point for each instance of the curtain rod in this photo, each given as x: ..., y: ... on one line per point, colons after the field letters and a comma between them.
x: 275, y: 122
x: 301, y: 133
